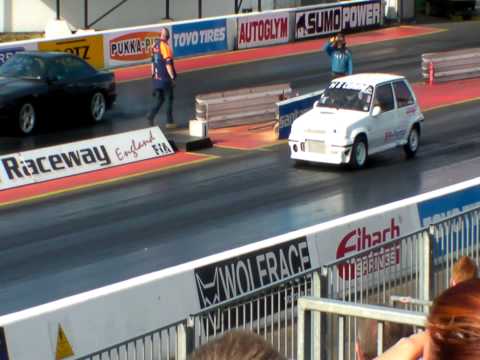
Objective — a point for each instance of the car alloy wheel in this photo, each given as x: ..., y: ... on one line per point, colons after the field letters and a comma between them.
x: 97, y: 107
x: 26, y: 118
x: 413, y: 142
x: 359, y: 153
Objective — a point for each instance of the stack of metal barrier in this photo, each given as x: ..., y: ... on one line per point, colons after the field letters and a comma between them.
x: 451, y: 65
x: 241, y: 106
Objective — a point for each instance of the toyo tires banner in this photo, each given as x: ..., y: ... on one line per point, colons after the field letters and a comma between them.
x: 361, y: 15
x: 263, y: 30
x: 199, y: 37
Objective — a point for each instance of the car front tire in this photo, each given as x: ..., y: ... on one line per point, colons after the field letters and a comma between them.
x: 26, y: 118
x: 359, y: 155
x: 97, y: 107
x: 413, y: 142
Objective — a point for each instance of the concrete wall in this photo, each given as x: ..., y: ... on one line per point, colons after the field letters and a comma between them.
x: 33, y: 15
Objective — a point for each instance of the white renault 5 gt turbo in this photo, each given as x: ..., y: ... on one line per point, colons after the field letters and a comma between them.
x: 355, y: 117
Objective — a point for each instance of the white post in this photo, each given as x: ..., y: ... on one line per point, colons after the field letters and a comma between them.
x: 2, y: 15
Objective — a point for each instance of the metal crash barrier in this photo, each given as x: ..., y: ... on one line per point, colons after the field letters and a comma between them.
x: 241, y: 106
x: 410, y: 269
x: 451, y: 65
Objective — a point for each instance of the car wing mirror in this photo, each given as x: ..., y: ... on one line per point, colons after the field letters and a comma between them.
x: 377, y: 110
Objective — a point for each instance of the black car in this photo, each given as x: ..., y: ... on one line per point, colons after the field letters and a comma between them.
x: 39, y: 85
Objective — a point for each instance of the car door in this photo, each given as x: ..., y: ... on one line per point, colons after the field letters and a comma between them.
x: 407, y: 109
x: 383, y: 125
x: 80, y: 76
x: 59, y: 98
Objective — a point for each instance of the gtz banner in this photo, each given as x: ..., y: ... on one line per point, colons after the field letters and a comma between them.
x: 199, y: 37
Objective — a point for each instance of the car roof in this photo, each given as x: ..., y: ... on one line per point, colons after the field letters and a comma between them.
x: 44, y: 54
x: 369, y: 78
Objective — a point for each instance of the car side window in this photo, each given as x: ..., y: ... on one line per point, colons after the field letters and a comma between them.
x: 76, y: 68
x: 384, y: 97
x: 403, y: 94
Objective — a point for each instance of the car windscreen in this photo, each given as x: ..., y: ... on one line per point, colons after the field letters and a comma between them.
x: 348, y: 99
x: 23, y: 66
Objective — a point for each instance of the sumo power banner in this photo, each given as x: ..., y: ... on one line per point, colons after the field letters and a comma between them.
x: 289, y: 110
x: 81, y: 157
x: 199, y: 37
x: 356, y: 16
x: 131, y: 46
x: 262, y: 30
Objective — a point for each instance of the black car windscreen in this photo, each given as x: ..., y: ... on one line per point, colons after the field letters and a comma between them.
x: 24, y: 66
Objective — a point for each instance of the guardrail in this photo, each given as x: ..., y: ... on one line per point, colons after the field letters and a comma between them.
x: 314, y: 348
x: 451, y: 65
x: 240, y: 106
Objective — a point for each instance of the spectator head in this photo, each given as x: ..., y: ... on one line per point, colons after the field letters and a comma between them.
x: 464, y: 269
x: 454, y: 324
x: 164, y: 34
x: 237, y: 345
x: 340, y: 40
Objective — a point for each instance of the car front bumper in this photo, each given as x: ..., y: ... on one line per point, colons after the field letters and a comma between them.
x: 320, y: 152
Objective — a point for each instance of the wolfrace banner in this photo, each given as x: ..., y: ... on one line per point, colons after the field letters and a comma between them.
x: 356, y: 16
x: 234, y: 277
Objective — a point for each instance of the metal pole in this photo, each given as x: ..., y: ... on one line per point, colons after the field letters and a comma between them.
x: 86, y: 14
x: 58, y: 9
x: 259, y: 5
x: 167, y: 9
x: 199, y: 9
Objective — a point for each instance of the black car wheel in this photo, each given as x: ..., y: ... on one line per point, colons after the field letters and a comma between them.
x: 98, y: 106
x: 359, y: 155
x: 27, y: 118
x: 413, y: 143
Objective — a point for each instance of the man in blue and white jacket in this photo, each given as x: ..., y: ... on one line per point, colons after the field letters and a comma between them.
x: 341, y: 56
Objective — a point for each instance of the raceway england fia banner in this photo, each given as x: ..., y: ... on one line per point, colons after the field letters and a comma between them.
x: 329, y: 20
x: 199, y: 37
x: 262, y: 30
x: 80, y: 157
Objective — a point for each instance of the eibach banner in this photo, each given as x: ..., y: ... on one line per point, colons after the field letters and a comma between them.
x: 262, y: 30
x: 130, y: 47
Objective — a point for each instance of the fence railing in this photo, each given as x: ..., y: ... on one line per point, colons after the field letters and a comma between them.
x: 171, y: 342
x: 451, y: 65
x: 344, y: 318
x: 417, y: 265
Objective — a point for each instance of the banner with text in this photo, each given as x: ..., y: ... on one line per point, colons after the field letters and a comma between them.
x: 262, y: 30
x: 60, y: 161
x: 6, y: 52
x: 289, y: 110
x: 89, y: 48
x: 356, y: 16
x: 199, y: 37
x: 130, y: 47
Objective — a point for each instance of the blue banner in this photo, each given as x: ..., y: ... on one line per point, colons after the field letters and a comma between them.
x: 291, y: 109
x: 436, y: 209
x: 7, y: 53
x: 199, y: 37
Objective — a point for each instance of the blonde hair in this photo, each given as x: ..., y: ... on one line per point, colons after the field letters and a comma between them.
x: 464, y: 269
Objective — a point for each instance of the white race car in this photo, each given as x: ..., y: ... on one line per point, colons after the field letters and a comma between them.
x: 357, y: 116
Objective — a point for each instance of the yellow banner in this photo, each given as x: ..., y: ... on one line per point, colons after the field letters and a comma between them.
x: 89, y: 48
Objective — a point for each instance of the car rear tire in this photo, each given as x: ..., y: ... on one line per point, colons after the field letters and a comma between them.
x: 26, y: 118
x: 359, y: 155
x: 97, y: 107
x: 413, y: 142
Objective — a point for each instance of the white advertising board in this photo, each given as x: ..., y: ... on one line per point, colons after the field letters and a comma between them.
x: 130, y: 46
x: 60, y: 161
x: 263, y: 30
